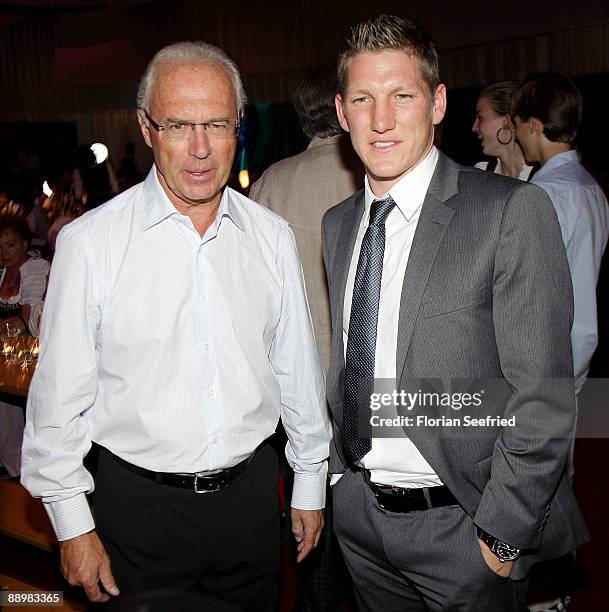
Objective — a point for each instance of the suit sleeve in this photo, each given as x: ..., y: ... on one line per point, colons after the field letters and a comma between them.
x: 255, y: 189
x: 532, y: 315
x: 324, y: 247
x: 261, y: 190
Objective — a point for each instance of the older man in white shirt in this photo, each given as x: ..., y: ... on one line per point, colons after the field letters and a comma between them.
x: 176, y: 334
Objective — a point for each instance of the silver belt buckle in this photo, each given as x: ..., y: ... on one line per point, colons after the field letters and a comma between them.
x: 202, y: 475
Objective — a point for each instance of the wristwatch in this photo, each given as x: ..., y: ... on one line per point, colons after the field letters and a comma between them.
x: 504, y: 552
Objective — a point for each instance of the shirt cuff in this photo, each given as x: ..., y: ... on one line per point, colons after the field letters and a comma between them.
x: 334, y: 478
x: 309, y: 491
x: 70, y: 517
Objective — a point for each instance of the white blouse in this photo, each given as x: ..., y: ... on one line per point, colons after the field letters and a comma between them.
x: 34, y: 273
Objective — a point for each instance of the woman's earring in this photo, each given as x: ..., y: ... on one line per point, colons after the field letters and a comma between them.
x: 505, y: 142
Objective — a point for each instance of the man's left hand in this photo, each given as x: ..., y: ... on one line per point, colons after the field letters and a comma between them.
x: 306, y: 527
x: 492, y: 560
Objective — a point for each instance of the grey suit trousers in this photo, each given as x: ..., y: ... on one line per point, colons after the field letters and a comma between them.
x: 417, y: 561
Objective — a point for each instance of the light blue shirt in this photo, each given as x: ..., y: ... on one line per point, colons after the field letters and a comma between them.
x: 583, y: 214
x: 175, y: 352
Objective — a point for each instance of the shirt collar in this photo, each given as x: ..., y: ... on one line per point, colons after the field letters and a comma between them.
x: 157, y: 206
x: 409, y: 192
x: 566, y: 157
x: 229, y: 207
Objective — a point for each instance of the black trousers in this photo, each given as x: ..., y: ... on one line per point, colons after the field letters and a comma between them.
x: 162, y: 539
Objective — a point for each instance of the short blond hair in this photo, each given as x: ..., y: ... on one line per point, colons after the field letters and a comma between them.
x: 391, y: 32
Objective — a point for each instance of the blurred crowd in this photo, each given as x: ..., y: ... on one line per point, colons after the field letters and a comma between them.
x: 33, y: 208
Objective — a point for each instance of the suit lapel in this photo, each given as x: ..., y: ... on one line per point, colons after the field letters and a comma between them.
x: 343, y: 253
x: 343, y: 241
x: 433, y: 221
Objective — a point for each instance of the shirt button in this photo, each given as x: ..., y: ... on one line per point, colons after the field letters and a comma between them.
x: 206, y: 347
x: 211, y: 393
x: 215, y: 440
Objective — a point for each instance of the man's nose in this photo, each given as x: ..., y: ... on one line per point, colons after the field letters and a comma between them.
x: 476, y: 125
x: 383, y: 117
x: 198, y: 142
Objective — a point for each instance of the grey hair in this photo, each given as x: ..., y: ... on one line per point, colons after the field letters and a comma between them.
x: 195, y: 51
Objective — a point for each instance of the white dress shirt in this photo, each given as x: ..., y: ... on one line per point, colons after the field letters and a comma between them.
x: 177, y: 353
x: 524, y: 174
x: 33, y: 283
x: 583, y: 214
x: 393, y: 461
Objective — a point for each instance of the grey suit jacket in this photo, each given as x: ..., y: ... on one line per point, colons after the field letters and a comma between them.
x: 486, y: 297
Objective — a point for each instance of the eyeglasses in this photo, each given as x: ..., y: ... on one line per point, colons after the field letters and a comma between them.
x: 177, y: 131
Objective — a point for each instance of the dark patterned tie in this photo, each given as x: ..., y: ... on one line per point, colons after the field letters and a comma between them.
x: 361, y: 344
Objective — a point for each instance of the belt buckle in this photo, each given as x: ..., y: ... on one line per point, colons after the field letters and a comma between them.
x: 203, y: 475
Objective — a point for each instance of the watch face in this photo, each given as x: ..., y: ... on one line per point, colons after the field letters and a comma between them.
x: 506, y: 552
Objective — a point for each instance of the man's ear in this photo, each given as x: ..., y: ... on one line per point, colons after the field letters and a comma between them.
x: 144, y: 127
x: 535, y: 125
x: 439, y: 104
x: 338, y: 103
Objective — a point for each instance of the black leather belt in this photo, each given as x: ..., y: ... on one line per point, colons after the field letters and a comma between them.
x: 398, y: 499
x: 201, y: 482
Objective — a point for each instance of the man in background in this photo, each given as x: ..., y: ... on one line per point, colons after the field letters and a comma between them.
x: 301, y: 188
x: 547, y: 110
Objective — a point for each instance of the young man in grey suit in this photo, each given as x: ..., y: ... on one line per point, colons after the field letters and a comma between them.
x: 442, y: 279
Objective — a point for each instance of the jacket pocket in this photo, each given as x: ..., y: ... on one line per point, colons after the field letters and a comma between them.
x: 455, y: 302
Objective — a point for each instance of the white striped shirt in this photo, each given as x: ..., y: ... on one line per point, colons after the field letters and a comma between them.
x: 175, y: 352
